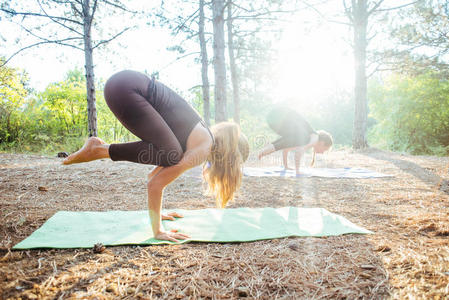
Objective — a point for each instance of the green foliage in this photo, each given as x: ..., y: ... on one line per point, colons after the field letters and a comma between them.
x: 412, y: 113
x: 53, y: 120
x: 64, y: 106
x: 13, y: 93
x: 196, y: 95
x: 424, y: 25
x: 418, y: 33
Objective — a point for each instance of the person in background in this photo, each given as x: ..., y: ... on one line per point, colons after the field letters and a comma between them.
x: 296, y: 135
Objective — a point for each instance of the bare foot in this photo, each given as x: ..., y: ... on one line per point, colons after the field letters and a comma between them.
x: 93, y: 149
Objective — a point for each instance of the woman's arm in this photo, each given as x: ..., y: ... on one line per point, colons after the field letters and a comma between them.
x: 299, y: 152
x: 164, y: 177
x: 156, y: 188
x: 154, y: 172
x: 285, y: 158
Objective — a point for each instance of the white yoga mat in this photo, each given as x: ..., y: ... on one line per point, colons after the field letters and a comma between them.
x: 356, y: 173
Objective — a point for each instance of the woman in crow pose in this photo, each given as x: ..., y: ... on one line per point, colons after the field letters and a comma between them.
x: 296, y: 134
x: 173, y: 138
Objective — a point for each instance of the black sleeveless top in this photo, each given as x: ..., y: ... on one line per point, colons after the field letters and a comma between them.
x: 291, y: 126
x: 177, y: 113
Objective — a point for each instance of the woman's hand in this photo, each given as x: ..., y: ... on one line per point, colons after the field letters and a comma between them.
x: 171, y: 236
x: 171, y: 216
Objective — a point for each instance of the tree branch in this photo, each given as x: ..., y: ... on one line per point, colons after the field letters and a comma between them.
x: 328, y: 20
x: 180, y: 26
x: 258, y: 18
x: 37, y: 36
x: 93, y: 12
x: 179, y: 58
x: 112, y: 38
x: 398, y: 7
x: 119, y: 6
x: 255, y: 16
x: 376, y: 6
x: 62, y: 1
x: 348, y: 12
x: 25, y: 14
x: 241, y: 7
x: 54, y: 20
x: 314, y: 9
x: 59, y: 42
x: 76, y: 10
x: 369, y: 39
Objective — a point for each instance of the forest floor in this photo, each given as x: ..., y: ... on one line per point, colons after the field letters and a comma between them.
x: 407, y: 257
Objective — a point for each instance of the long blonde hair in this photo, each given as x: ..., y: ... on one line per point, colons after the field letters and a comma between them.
x: 223, y: 172
x: 324, y: 137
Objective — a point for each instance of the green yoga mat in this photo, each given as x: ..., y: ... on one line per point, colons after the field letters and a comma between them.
x: 68, y: 229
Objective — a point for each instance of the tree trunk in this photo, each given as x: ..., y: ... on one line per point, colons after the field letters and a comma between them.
x: 90, y: 79
x: 219, y: 61
x: 233, y: 67
x: 360, y: 15
x: 204, y: 65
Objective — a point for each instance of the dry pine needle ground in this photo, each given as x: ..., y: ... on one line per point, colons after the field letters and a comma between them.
x: 406, y: 258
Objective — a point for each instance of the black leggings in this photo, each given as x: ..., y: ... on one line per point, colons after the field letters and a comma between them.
x: 291, y: 126
x: 152, y: 112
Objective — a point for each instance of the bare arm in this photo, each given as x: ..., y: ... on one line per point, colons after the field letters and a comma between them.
x: 164, y: 177
x: 285, y: 158
x: 156, y: 187
x: 298, y: 155
x: 301, y: 150
x: 154, y: 172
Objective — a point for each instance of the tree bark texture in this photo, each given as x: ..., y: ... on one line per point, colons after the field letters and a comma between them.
x: 89, y: 66
x: 360, y: 17
x: 204, y: 66
x: 219, y: 60
x: 233, y: 67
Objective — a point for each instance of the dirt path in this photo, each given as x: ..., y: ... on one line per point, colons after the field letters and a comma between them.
x: 407, y: 257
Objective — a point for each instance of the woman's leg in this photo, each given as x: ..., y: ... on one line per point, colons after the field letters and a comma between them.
x: 159, y: 146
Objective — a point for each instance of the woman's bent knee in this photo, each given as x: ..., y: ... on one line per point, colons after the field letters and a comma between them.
x: 173, y: 157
